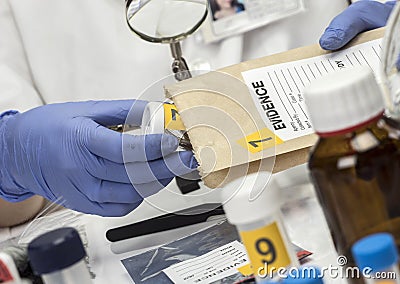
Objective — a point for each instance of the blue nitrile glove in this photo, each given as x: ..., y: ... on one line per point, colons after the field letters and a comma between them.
x: 65, y: 154
x: 358, y: 17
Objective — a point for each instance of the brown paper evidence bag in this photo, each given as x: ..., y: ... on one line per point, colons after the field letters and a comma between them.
x: 218, y: 112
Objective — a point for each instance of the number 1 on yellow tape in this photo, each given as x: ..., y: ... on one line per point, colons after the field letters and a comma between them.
x: 260, y: 140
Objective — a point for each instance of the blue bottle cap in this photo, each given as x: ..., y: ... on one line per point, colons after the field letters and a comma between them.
x: 377, y: 251
x: 55, y: 250
x: 304, y: 275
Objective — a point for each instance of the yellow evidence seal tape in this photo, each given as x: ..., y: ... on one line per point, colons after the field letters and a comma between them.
x: 260, y: 140
x: 172, y: 119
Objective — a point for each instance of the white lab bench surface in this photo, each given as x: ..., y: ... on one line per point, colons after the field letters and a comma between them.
x: 302, y: 213
x: 303, y: 218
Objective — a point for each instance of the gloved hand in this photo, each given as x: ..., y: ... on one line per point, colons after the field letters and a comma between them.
x: 358, y: 17
x: 64, y: 153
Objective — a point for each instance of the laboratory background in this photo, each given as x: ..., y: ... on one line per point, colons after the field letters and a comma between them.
x: 199, y: 141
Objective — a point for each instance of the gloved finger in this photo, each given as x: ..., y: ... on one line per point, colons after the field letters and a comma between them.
x: 104, y: 169
x: 142, y: 148
x: 118, y: 147
x: 80, y: 202
x: 175, y: 164
x: 358, y: 17
x: 109, y: 209
x: 116, y: 112
x: 147, y: 189
x: 398, y: 63
x: 116, y: 192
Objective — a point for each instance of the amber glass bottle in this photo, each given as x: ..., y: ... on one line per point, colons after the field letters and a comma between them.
x: 355, y: 165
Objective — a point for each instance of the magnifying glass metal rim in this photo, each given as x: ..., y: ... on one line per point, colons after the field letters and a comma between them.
x: 170, y: 39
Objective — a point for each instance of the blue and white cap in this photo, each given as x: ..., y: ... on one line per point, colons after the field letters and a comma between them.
x: 377, y: 251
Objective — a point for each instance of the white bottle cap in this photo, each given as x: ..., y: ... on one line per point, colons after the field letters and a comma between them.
x: 251, y: 198
x: 343, y: 100
x: 153, y: 118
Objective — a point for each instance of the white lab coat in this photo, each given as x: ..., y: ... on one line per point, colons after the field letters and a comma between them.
x: 58, y: 50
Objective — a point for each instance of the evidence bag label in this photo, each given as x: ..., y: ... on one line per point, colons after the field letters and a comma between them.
x: 277, y: 90
x: 210, y: 267
x: 265, y: 248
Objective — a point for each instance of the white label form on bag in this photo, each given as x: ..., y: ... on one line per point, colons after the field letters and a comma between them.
x: 207, y: 268
x: 277, y: 90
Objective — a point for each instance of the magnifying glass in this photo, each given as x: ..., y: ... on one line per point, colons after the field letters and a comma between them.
x: 167, y: 21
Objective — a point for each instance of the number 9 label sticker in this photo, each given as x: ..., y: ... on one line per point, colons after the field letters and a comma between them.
x: 266, y: 249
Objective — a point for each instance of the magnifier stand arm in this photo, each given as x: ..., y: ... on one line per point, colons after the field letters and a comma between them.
x: 179, y: 65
